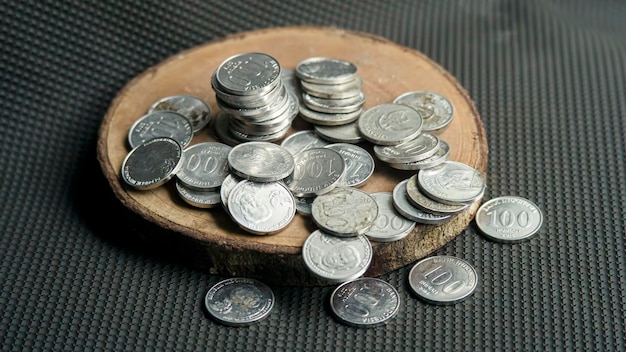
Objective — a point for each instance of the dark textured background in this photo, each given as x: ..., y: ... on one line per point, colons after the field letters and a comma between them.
x: 81, y: 272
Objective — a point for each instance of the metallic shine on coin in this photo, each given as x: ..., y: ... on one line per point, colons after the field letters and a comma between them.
x: 451, y: 182
x: 443, y: 279
x: 239, y: 301
x: 152, y: 163
x: 390, y: 124
x: 359, y: 164
x: 389, y: 225
x: 204, y: 166
x: 365, y: 302
x: 344, y: 211
x: 317, y: 171
x: 509, y: 219
x: 161, y: 123
x: 196, y: 110
x: 260, y: 161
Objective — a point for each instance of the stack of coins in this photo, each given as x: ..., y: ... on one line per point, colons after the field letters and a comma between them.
x: 255, y: 104
x: 332, y: 97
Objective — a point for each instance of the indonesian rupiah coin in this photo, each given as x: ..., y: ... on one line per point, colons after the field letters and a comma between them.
x: 204, y: 166
x: 239, y: 301
x: 359, y: 164
x: 365, y: 302
x: 336, y: 259
x: 196, y: 198
x: 325, y: 70
x: 248, y: 74
x: 509, y: 219
x: 451, y: 182
x: 152, y: 163
x: 404, y: 207
x: 302, y: 140
x: 161, y: 123
x: 260, y: 161
x: 390, y: 124
x: 196, y: 110
x: 423, y: 203
x: 344, y: 211
x: 348, y: 133
x: 443, y: 279
x: 419, y: 148
x: 389, y: 225
x: 317, y: 171
x: 438, y: 158
x: 436, y: 110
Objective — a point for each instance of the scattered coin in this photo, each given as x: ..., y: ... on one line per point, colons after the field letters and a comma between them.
x: 348, y: 133
x: 390, y: 124
x: 196, y: 198
x: 196, y: 110
x: 261, y: 208
x: 317, y: 171
x: 359, y: 164
x: 239, y: 301
x: 425, y: 204
x: 438, y: 158
x: 204, y: 166
x: 336, y: 259
x: 365, y: 302
x: 421, y: 147
x: 260, y: 161
x: 160, y: 124
x: 227, y: 185
x: 302, y: 140
x: 509, y: 219
x: 436, y: 110
x: 451, y: 182
x: 404, y: 207
x: 443, y: 279
x: 344, y: 211
x: 389, y: 225
x: 152, y: 163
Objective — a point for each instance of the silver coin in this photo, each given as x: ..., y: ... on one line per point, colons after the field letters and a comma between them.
x: 204, y: 166
x: 248, y: 74
x: 390, y: 124
x: 302, y: 140
x: 421, y: 147
x: 451, y: 182
x: 425, y: 204
x: 152, y: 163
x: 328, y: 119
x: 443, y: 279
x: 365, y: 302
x: 509, y: 219
x: 348, y: 133
x: 303, y: 205
x: 290, y: 81
x: 260, y: 161
x: 239, y: 301
x: 333, y: 106
x: 436, y: 110
x: 404, y: 207
x: 242, y: 101
x: 334, y: 91
x: 359, y: 164
x: 317, y: 171
x: 261, y: 208
x: 438, y: 158
x: 344, y: 211
x: 196, y: 198
x: 222, y: 129
x: 336, y: 259
x: 389, y: 225
x: 196, y: 110
x: 260, y: 113
x: 227, y: 186
x: 160, y: 123
x: 326, y: 70
x: 272, y: 137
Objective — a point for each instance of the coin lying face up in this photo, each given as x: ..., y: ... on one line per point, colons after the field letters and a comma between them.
x: 260, y: 161
x: 443, y: 279
x: 509, y: 219
x: 196, y: 110
x: 344, y: 211
x: 365, y: 302
x: 239, y: 301
x: 152, y: 163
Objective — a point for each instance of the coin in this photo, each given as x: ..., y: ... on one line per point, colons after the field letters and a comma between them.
x: 419, y: 148
x: 239, y: 301
x: 227, y: 186
x: 152, y: 163
x: 326, y: 70
x: 389, y: 225
x: 196, y: 198
x: 451, y: 182
x: 302, y: 140
x: 328, y: 119
x: 303, y: 205
x: 334, y: 91
x: 160, y: 124
x: 261, y: 208
x: 443, y: 279
x: 425, y: 204
x: 196, y: 110
x: 260, y: 161
x: 344, y: 211
x: 347, y: 133
x: 336, y: 259
x: 365, y: 302
x: 439, y: 157
x: 317, y: 171
x: 390, y: 124
x: 359, y: 164
x: 509, y: 219
x: 204, y: 166
x: 436, y: 110
x: 222, y: 129
x: 333, y: 106
x: 402, y: 205
x: 248, y: 74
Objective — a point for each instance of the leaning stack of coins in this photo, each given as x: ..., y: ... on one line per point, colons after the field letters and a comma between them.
x: 332, y: 97
x: 255, y: 104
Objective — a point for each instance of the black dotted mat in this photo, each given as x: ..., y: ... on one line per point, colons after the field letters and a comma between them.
x: 80, y: 272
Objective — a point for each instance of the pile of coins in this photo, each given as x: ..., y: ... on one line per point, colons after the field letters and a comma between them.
x: 255, y: 104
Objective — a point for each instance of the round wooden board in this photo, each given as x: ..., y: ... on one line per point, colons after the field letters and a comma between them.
x: 214, y: 242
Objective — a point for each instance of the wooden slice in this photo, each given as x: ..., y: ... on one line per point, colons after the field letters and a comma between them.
x: 211, y: 238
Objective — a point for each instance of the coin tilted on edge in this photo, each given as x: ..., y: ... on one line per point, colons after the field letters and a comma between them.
x: 451, y: 182
x: 443, y: 279
x: 160, y: 123
x: 152, y: 163
x: 509, y: 219
x: 365, y: 302
x: 239, y: 301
